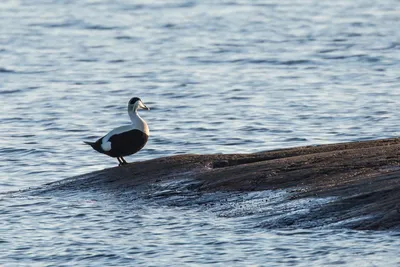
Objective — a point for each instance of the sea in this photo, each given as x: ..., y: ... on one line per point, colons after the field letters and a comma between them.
x: 223, y: 76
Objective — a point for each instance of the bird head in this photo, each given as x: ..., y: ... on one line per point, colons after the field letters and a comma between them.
x: 136, y: 103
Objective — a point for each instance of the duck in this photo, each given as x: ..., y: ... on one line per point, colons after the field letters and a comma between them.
x: 125, y: 140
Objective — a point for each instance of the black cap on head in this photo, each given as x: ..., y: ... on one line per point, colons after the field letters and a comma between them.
x: 133, y: 100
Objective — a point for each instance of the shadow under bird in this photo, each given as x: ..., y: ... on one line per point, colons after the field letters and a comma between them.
x: 125, y: 140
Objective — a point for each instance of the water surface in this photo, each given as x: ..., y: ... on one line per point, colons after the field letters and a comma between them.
x: 220, y: 77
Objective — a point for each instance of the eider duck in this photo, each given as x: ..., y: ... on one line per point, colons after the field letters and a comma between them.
x: 125, y: 140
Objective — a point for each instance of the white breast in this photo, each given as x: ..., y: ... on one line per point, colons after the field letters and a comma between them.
x: 138, y: 123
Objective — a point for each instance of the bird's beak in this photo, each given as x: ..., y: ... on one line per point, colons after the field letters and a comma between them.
x: 143, y: 106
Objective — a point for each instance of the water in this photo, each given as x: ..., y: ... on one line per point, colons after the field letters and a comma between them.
x: 220, y: 77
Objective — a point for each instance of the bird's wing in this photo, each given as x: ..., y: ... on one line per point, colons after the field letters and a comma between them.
x: 128, y: 143
x: 105, y: 142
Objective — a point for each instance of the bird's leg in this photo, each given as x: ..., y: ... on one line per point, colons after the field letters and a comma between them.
x: 120, y: 162
x: 123, y: 161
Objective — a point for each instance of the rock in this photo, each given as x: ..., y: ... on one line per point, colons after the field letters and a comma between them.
x: 363, y: 176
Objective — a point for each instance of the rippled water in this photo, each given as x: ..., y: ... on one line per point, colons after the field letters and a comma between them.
x: 220, y: 77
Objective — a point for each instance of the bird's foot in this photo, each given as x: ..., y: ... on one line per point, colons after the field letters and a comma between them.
x: 121, y: 161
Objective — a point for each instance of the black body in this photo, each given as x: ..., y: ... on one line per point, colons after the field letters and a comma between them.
x: 123, y: 144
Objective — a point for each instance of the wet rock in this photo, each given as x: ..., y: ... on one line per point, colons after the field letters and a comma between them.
x: 363, y: 177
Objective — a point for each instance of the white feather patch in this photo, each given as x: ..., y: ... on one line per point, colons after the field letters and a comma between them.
x: 106, y: 146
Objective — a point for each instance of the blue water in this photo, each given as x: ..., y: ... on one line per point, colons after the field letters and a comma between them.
x: 219, y: 77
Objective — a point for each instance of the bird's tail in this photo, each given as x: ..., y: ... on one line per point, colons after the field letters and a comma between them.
x: 89, y: 143
x: 95, y: 145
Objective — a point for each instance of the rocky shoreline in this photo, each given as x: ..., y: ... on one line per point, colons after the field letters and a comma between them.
x: 364, y: 178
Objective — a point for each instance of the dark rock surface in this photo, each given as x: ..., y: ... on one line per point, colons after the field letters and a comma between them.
x: 364, y: 178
